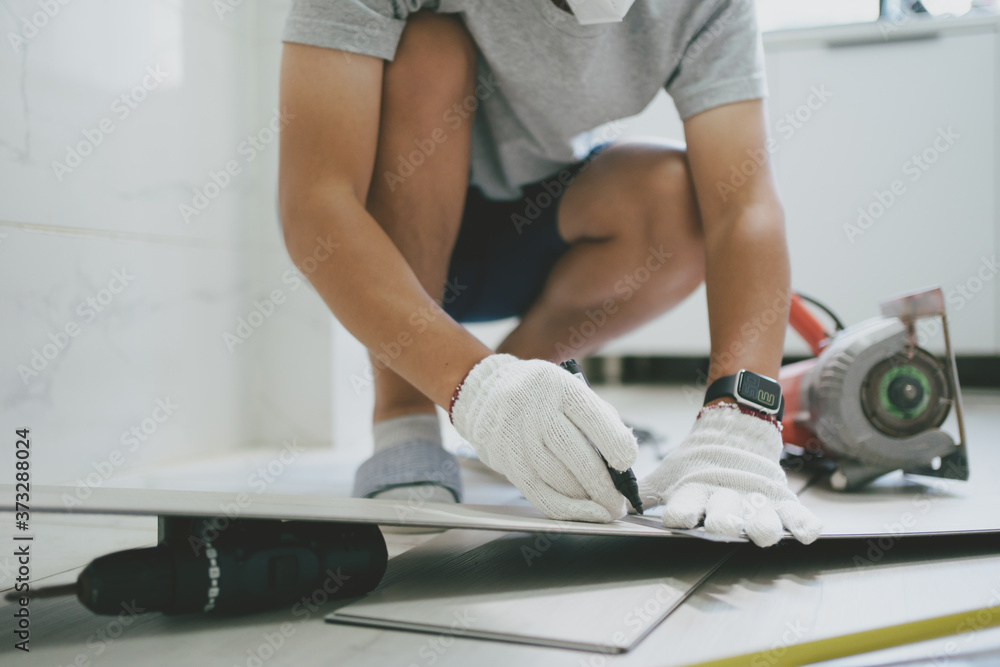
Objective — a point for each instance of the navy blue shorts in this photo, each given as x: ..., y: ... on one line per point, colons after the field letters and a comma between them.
x: 506, y: 250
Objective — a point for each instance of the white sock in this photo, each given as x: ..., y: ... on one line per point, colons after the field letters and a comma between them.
x: 398, y: 430
x: 421, y: 426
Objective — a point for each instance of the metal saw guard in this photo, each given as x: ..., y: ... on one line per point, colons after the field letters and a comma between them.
x: 909, y: 308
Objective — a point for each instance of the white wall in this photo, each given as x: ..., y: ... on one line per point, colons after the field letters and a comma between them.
x: 63, y: 234
x: 887, y: 92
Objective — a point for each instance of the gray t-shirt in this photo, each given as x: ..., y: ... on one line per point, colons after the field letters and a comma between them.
x: 544, y: 80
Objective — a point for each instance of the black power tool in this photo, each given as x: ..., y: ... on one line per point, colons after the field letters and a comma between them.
x: 233, y: 566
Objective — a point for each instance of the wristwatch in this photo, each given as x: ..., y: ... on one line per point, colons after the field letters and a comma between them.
x: 750, y: 389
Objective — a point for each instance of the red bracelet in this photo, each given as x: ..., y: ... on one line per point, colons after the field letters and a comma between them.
x: 454, y: 396
x: 770, y: 419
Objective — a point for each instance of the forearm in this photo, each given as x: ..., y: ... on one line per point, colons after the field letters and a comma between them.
x: 376, y: 296
x: 748, y: 282
x: 730, y: 461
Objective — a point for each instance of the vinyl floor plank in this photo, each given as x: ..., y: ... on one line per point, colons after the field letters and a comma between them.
x: 565, y: 591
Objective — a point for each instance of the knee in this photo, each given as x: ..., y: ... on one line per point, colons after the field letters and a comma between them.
x: 667, y: 217
x: 663, y: 192
x: 434, y: 65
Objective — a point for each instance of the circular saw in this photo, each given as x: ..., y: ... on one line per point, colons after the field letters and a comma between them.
x: 873, y: 399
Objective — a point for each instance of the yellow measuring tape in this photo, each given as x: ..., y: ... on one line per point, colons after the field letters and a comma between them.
x: 866, y: 641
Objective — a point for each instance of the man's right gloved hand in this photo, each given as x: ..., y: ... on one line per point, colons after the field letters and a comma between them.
x: 530, y: 420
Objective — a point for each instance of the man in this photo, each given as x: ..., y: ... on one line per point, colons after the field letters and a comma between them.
x: 433, y: 141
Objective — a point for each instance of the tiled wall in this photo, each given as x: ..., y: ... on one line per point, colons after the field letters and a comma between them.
x: 124, y: 262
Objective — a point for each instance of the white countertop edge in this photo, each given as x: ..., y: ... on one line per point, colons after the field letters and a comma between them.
x: 870, y: 32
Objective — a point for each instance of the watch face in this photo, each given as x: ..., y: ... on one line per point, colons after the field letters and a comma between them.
x: 760, y: 390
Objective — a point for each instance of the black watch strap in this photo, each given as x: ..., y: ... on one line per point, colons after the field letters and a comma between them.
x: 724, y: 386
x: 727, y: 387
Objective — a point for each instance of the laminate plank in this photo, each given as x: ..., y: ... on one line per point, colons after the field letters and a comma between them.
x: 154, y: 502
x: 764, y: 599
x: 564, y: 591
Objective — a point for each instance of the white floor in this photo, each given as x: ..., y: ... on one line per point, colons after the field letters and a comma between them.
x: 63, y: 631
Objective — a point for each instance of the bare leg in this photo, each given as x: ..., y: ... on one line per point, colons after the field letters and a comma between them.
x: 631, y: 207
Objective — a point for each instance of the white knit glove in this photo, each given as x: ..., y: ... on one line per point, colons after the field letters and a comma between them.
x: 727, y: 471
x: 530, y: 421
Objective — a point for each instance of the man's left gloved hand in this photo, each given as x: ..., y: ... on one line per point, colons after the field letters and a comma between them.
x: 727, y: 472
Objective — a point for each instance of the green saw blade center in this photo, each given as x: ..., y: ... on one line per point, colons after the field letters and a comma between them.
x: 905, y: 392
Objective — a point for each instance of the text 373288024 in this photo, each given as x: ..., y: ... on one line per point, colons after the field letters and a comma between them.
x: 22, y: 541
